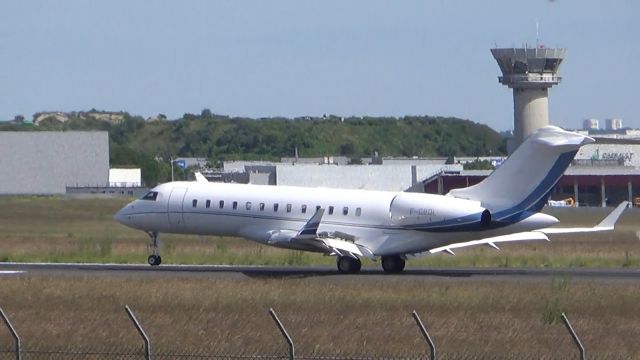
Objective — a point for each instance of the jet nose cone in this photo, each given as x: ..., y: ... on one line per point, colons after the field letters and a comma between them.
x: 124, y: 216
x: 119, y: 216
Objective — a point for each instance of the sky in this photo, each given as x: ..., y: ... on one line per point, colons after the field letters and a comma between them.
x: 308, y: 58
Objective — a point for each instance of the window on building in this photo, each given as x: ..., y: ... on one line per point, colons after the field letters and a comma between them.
x: 248, y: 205
x: 221, y: 204
x: 207, y: 204
x: 261, y: 206
x: 330, y: 210
x: 235, y: 205
x: 345, y: 210
x: 288, y: 208
x: 304, y: 209
x: 358, y: 211
x: 195, y: 202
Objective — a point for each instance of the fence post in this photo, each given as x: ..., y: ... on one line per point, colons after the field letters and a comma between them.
x: 567, y: 324
x: 147, y: 344
x: 425, y: 334
x: 16, y: 338
x: 292, y: 349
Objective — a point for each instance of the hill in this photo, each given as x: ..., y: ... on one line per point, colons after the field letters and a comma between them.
x: 149, y: 144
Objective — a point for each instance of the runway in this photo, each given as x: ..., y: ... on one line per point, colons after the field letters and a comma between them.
x: 58, y: 269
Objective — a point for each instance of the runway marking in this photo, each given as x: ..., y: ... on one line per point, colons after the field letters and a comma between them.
x: 11, y: 272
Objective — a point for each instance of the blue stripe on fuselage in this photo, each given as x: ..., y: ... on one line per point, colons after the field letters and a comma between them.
x: 531, y: 204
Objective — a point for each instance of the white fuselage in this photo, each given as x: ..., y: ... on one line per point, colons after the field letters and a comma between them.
x: 386, y: 223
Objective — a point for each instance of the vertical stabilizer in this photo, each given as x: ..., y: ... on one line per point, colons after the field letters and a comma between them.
x: 524, y: 181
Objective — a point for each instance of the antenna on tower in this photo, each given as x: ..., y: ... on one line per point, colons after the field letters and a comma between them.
x: 537, y: 33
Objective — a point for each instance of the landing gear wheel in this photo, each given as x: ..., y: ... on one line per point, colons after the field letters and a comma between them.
x: 392, y: 264
x: 154, y: 260
x: 348, y: 264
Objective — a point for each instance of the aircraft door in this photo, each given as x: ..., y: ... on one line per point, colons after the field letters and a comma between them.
x: 174, y: 208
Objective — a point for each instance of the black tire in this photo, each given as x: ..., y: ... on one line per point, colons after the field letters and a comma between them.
x: 393, y: 264
x: 154, y: 260
x: 159, y: 259
x: 348, y: 265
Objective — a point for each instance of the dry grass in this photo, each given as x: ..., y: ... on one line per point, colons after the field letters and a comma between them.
x: 83, y: 230
x: 327, y: 315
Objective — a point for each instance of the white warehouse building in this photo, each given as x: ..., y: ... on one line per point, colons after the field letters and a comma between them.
x: 47, y: 162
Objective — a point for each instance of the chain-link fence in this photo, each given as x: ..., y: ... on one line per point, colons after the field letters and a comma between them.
x: 147, y: 350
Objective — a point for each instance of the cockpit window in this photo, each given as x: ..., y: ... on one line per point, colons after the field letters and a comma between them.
x: 151, y: 195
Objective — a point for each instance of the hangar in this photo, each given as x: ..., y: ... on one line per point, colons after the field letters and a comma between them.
x: 47, y: 162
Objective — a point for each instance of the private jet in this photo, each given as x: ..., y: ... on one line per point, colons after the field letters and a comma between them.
x: 387, y: 226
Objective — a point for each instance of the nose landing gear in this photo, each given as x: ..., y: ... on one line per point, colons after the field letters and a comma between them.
x: 154, y: 259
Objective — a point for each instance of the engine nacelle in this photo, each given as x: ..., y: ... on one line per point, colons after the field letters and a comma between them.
x: 426, y: 211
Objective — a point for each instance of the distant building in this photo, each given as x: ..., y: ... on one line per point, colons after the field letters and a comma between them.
x: 613, y: 124
x: 590, y: 124
x: 114, y: 117
x: 46, y: 162
x: 125, y: 177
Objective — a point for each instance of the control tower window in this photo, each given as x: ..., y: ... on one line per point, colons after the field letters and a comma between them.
x: 520, y: 67
x: 551, y: 64
x: 151, y: 195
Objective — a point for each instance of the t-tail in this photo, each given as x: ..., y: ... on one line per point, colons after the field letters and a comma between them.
x: 523, y: 183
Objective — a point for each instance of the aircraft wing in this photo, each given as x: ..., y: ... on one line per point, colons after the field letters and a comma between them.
x: 606, y: 224
x: 200, y: 177
x: 335, y: 243
x: 521, y: 236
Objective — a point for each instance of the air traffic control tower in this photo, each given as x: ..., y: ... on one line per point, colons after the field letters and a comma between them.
x: 530, y: 72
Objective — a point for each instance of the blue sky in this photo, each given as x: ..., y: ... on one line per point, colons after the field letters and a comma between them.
x: 296, y: 58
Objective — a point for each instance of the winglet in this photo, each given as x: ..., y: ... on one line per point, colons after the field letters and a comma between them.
x: 611, y: 219
x: 200, y: 177
x: 311, y: 227
x: 607, y: 224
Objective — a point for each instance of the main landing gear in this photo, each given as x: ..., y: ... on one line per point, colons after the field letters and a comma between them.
x: 154, y: 259
x: 392, y: 264
x: 348, y: 264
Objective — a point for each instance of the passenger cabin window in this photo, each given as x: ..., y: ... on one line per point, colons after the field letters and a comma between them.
x: 221, y: 204
x: 195, y: 202
x: 261, y: 206
x: 275, y: 207
x: 304, y: 209
x: 288, y: 207
x: 317, y: 207
x: 235, y: 205
x: 330, y: 210
x: 248, y: 205
x: 207, y: 204
x: 151, y: 195
x: 358, y: 211
x: 345, y: 210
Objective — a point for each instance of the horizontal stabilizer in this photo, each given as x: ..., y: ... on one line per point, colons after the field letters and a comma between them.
x: 521, y: 236
x: 606, y: 224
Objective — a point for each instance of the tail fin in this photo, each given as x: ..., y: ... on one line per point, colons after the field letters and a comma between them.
x: 524, y: 181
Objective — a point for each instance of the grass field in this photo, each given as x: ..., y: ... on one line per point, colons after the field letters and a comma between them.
x: 360, y: 315
x: 57, y: 229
